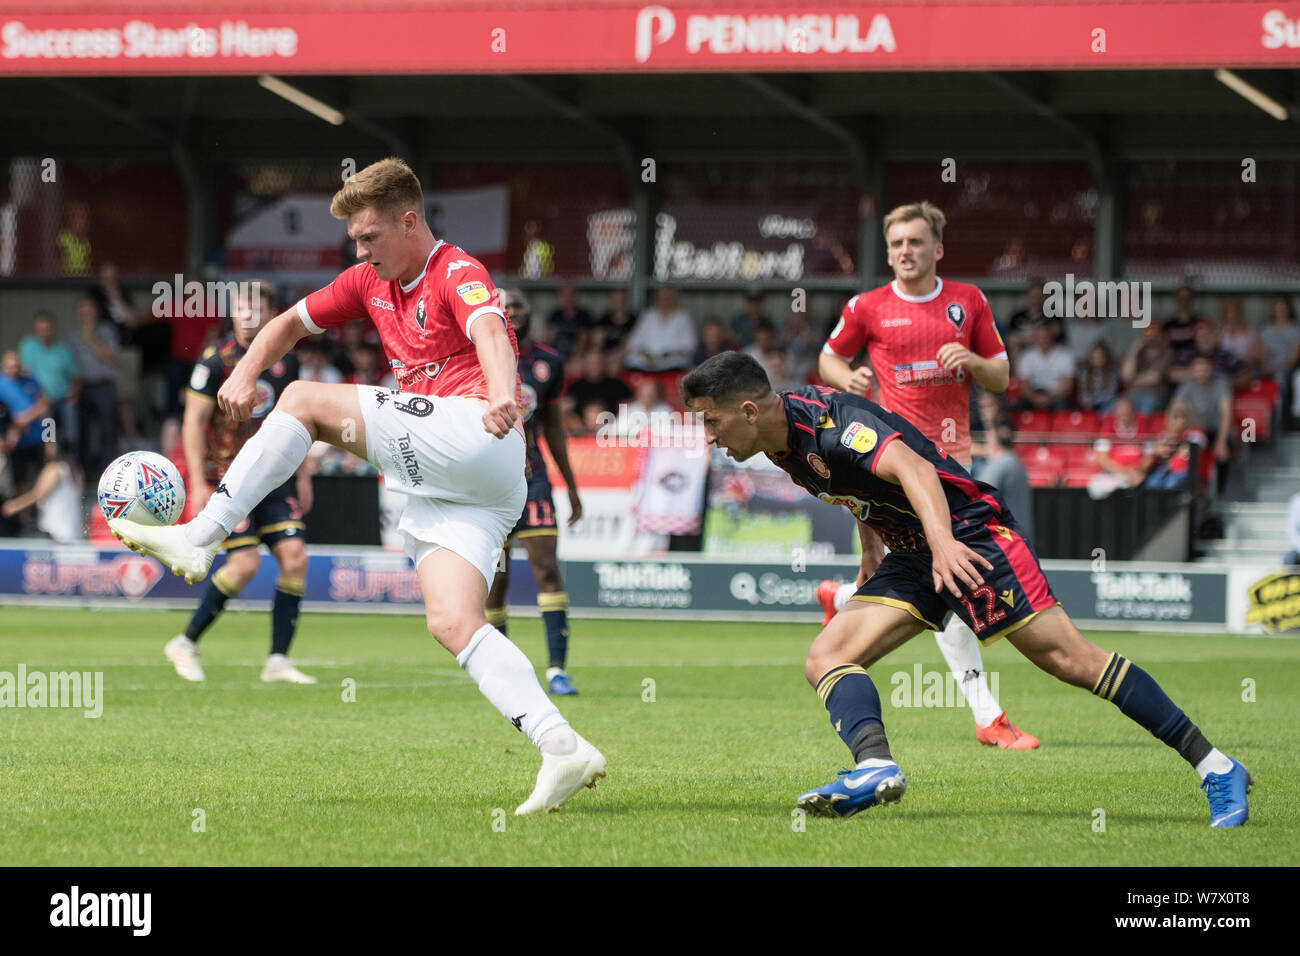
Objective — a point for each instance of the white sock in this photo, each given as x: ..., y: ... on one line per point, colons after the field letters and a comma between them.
x: 507, y: 679
x: 961, y: 650
x: 265, y: 462
x: 1215, y: 762
x: 871, y: 762
x: 845, y: 592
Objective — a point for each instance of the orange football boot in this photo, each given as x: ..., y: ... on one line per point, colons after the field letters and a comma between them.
x: 1003, y: 734
x: 826, y: 598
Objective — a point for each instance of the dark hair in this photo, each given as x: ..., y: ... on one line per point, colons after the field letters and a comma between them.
x: 725, y: 376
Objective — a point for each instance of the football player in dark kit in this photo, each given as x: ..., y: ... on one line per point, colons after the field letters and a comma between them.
x: 954, y: 546
x: 212, y: 439
x: 541, y: 371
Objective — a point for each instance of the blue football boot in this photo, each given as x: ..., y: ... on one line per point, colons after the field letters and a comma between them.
x: 559, y: 684
x: 1227, y: 795
x: 855, y: 790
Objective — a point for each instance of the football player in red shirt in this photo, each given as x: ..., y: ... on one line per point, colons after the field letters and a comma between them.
x: 926, y: 339
x: 450, y: 439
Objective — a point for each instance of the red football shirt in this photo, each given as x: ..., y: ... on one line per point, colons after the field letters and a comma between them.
x: 423, y: 325
x: 903, y: 334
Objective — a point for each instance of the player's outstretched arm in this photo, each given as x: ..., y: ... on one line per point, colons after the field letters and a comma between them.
x: 954, y: 565
x: 838, y: 373
x: 558, y: 443
x: 239, y: 391
x: 500, y: 368
x: 198, y: 412
x: 993, y: 374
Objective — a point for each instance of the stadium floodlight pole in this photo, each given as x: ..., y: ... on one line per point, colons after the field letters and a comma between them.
x: 300, y: 99
x: 1254, y: 95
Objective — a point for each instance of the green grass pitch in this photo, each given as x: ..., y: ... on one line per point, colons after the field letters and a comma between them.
x: 419, y: 769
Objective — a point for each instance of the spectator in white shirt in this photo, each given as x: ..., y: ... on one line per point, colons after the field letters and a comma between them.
x: 664, y: 338
x: 1047, y: 371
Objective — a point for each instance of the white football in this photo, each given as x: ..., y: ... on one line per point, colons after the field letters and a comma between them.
x: 144, y: 487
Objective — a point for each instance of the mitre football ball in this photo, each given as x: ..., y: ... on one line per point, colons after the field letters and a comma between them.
x: 143, y: 487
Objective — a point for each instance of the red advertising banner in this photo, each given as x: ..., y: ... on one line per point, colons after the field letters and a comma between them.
x: 353, y: 37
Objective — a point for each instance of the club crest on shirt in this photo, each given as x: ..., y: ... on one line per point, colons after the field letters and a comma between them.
x: 541, y: 371
x: 419, y: 312
x: 816, y: 464
x: 956, y: 314
x: 858, y: 437
x: 527, y: 400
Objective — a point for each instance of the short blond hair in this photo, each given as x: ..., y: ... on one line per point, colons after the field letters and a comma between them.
x: 924, y: 209
x: 388, y: 186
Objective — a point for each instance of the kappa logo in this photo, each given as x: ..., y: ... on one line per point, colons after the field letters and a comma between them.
x: 222, y: 489
x: 416, y: 405
x: 381, y: 397
x: 453, y: 266
x: 518, y: 722
x: 956, y: 314
x: 379, y: 303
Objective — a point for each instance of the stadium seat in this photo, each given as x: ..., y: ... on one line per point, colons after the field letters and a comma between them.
x: 1266, y: 389
x: 1075, y: 422
x: 1080, y: 465
x: 1032, y: 421
x: 1044, y: 463
x: 1158, y: 423
x: 1260, y: 410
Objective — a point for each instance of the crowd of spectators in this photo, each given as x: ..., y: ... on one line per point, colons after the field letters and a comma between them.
x: 117, y: 379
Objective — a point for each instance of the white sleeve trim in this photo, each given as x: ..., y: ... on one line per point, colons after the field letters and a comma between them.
x: 312, y: 327
x: 1001, y: 355
x: 827, y: 350
x: 477, y: 312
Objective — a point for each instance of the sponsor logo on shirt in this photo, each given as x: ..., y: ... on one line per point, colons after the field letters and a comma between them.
x: 473, y: 293
x: 402, y: 455
x: 894, y: 323
x: 858, y: 437
x: 859, y: 507
x: 379, y: 303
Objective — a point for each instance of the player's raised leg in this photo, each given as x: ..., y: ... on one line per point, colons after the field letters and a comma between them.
x: 306, y: 412
x: 1053, y: 643
x: 291, y: 555
x: 837, y: 667
x: 455, y: 592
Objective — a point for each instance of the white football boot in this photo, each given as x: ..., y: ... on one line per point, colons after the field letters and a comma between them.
x: 563, y: 776
x: 279, y: 667
x: 184, y: 655
x: 169, y: 545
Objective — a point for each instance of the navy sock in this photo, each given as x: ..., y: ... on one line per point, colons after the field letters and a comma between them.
x: 220, y: 590
x: 284, y: 614
x: 1140, y: 698
x: 853, y: 702
x: 555, y: 617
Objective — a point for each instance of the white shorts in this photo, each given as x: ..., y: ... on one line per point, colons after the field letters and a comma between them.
x: 464, y: 488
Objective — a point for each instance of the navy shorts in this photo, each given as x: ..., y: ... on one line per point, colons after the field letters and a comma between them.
x: 275, y: 518
x: 1012, y: 593
x: 538, y: 517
